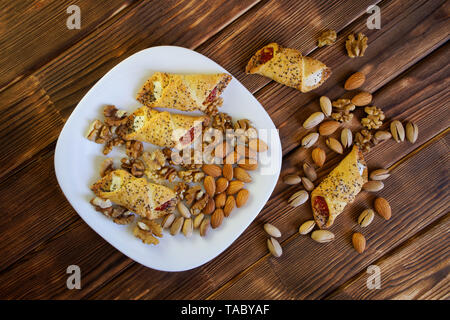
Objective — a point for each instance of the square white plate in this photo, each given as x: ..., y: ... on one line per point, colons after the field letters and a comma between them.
x: 77, y: 159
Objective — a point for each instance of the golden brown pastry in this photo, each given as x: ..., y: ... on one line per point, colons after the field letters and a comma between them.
x: 164, y: 129
x: 289, y: 67
x: 339, y: 188
x: 188, y: 92
x: 146, y: 199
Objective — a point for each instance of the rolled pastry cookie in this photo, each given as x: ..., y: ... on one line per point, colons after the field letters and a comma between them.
x: 164, y: 129
x: 339, y: 188
x: 146, y: 199
x: 289, y: 67
x: 183, y: 92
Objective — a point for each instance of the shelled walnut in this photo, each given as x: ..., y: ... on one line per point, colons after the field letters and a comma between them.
x: 374, y: 119
x: 356, y: 47
x: 194, y: 175
x: 113, y: 116
x: 134, y: 149
x: 180, y: 189
x: 135, y: 166
x: 99, y: 132
x: 344, y: 110
x: 327, y: 37
x: 110, y: 144
x: 363, y: 140
x: 212, y: 108
x: 222, y: 121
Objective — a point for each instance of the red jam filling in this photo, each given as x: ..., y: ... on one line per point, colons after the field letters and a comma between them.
x: 321, y: 208
x: 164, y: 206
x: 265, y: 55
x: 188, y: 137
x: 212, y: 96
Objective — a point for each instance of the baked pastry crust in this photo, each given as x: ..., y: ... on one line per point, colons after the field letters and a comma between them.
x: 188, y: 92
x: 164, y: 129
x: 289, y: 67
x: 148, y: 200
x: 339, y: 188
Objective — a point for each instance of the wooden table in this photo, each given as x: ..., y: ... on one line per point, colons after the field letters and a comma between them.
x: 45, y: 69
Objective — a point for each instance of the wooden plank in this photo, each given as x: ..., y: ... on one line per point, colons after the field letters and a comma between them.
x: 392, y: 49
x: 66, y: 79
x: 296, y: 24
x: 32, y: 32
x: 419, y: 269
x: 310, y: 270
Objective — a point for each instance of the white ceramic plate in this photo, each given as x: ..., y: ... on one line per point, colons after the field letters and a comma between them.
x: 77, y: 159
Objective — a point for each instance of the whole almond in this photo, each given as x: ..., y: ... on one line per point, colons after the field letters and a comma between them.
x: 167, y: 220
x: 242, y: 175
x: 230, y: 203
x: 382, y: 135
x: 222, y: 150
x: 210, y: 206
x: 258, y: 145
x: 325, y: 105
x: 328, y: 127
x: 242, y: 197
x: 245, y: 152
x: 309, y: 171
x: 318, y: 156
x: 359, y: 242
x: 383, y: 208
x: 274, y: 247
x: 397, y: 131
x: 248, y: 164
x: 176, y: 226
x: 220, y: 200
x: 298, y: 198
x: 355, y: 81
x: 221, y: 185
x: 313, y: 120
x: 366, y: 217
x: 379, y: 174
x: 322, y: 236
x: 334, y: 145
x: 272, y: 230
x: 412, y: 132
x: 188, y: 228
x: 362, y: 99
x: 234, y: 186
x: 204, y: 227
x: 292, y: 179
x: 346, y: 137
x: 373, y: 186
x: 183, y: 210
x: 228, y: 171
x: 307, y: 227
x: 232, y: 158
x: 217, y: 218
x: 307, y: 184
x: 198, y: 220
x: 210, y: 185
x: 212, y: 170
x: 310, y: 139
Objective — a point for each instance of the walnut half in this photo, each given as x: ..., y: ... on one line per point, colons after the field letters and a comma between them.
x: 356, y: 46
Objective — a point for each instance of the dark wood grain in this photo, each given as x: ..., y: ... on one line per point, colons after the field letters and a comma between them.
x: 32, y: 32
x: 287, y: 219
x: 63, y: 81
x: 419, y: 269
x: 310, y: 270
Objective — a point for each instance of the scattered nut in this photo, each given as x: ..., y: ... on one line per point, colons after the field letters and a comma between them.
x: 374, y: 119
x: 356, y: 47
x: 228, y: 171
x: 242, y: 175
x: 346, y: 137
x: 334, y: 145
x: 230, y: 203
x: 319, y: 157
x: 309, y: 171
x: 234, y: 186
x: 258, y: 145
x: 412, y: 132
x: 397, y: 130
x: 366, y: 217
x: 176, y: 226
x: 310, y: 139
x: 188, y: 228
x: 221, y: 185
x: 212, y: 170
x: 106, y: 167
x: 198, y: 220
x: 204, y: 227
x: 217, y: 218
x: 210, y: 206
x: 359, y: 242
x: 168, y: 220
x: 313, y: 120
x: 292, y: 179
x: 327, y: 37
x: 379, y: 174
x: 322, y: 236
x: 328, y: 127
x: 373, y: 186
x: 362, y: 99
x: 210, y: 185
x: 306, y: 227
x: 220, y: 200
x: 298, y: 198
x: 242, y: 197
x: 325, y: 105
x: 382, y: 135
x: 383, y: 208
x: 307, y: 184
x: 272, y: 230
x: 183, y: 210
x: 355, y: 81
x: 274, y: 247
